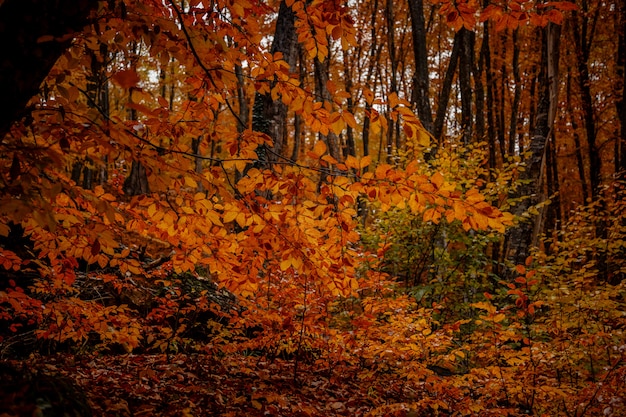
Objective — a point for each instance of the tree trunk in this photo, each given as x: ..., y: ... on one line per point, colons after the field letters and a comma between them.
x: 269, y: 116
x: 137, y: 181
x: 466, y: 67
x: 321, y: 80
x: 577, y: 143
x: 583, y: 41
x: 33, y: 35
x: 620, y: 102
x: 526, y: 234
x: 98, y: 93
x: 517, y: 94
x: 485, y: 59
x: 393, y: 75
x: 421, y: 80
x: 446, y: 89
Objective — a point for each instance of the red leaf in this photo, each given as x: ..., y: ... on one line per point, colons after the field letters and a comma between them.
x: 126, y: 78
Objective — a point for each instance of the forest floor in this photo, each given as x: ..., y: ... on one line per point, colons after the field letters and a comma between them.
x: 190, y: 385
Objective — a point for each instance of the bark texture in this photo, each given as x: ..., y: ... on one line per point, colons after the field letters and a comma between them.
x: 525, y: 236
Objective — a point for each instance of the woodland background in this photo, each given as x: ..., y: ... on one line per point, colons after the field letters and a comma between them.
x: 306, y: 208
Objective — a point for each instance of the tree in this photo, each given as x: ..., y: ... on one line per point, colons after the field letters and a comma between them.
x: 526, y: 235
x: 34, y: 35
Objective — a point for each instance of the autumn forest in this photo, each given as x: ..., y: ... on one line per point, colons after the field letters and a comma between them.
x: 312, y: 208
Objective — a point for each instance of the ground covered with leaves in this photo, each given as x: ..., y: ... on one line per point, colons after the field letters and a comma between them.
x: 190, y: 385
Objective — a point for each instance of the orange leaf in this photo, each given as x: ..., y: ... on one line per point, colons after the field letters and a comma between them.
x: 437, y: 180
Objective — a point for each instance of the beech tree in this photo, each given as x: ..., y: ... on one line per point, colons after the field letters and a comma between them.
x: 34, y: 35
x: 243, y: 207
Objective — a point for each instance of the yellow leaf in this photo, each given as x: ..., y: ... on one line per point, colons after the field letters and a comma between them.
x: 329, y: 159
x: 320, y: 148
x: 484, y: 306
x: 338, y: 126
x: 241, y: 219
x: 349, y: 119
x: 365, y: 161
x: 214, y: 218
x: 296, y: 262
x: 285, y: 264
x: 423, y: 137
x: 393, y: 100
x: 190, y: 182
x: 152, y: 210
x: 351, y: 162
x: 229, y: 216
x: 498, y: 317
x: 459, y: 211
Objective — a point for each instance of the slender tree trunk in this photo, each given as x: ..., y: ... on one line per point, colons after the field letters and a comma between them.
x: 421, y: 80
x: 500, y: 96
x: 583, y: 41
x: 243, y: 117
x: 393, y: 74
x: 478, y: 71
x: 517, y: 94
x: 485, y: 58
x: 526, y: 234
x: 137, y: 181
x: 553, y: 211
x: 620, y: 102
x: 446, y: 89
x: 321, y: 80
x: 580, y: 161
x: 298, y: 136
x: 350, y: 148
x: 466, y: 67
x: 98, y: 92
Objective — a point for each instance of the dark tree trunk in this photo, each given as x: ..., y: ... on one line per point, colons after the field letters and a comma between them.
x: 374, y: 55
x: 478, y: 71
x: 421, y: 80
x: 526, y: 234
x: 298, y: 134
x: 28, y: 52
x: 270, y: 116
x: 98, y: 93
x: 500, y: 96
x: 485, y: 59
x: 466, y: 67
x: 137, y: 181
x: 583, y: 41
x: 350, y: 148
x: 580, y: 161
x: 517, y: 94
x: 321, y: 80
x: 620, y: 102
x: 393, y: 74
x: 446, y: 89
x: 553, y: 211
